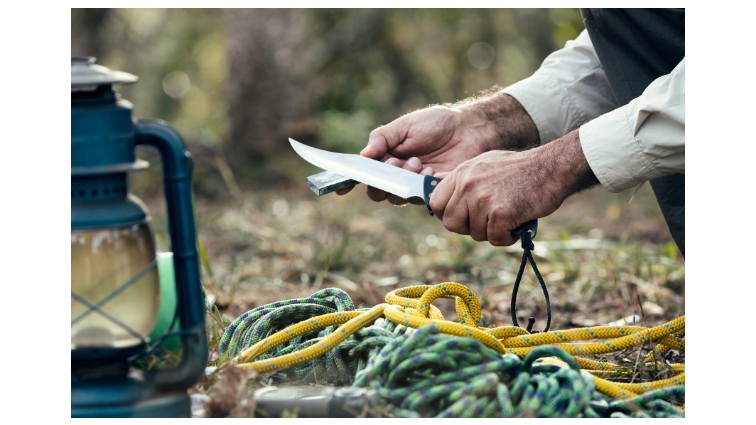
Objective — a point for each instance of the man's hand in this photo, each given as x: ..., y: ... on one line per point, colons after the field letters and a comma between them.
x: 433, y: 140
x: 436, y: 140
x: 489, y: 196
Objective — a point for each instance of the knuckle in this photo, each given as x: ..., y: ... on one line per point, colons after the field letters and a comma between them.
x: 467, y: 183
x: 500, y: 216
x: 450, y: 224
x: 484, y: 202
x: 495, y: 237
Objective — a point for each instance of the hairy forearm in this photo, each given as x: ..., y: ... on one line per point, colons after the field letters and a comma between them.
x: 562, y: 167
x: 500, y: 120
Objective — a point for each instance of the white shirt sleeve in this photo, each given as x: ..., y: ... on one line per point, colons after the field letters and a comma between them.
x: 625, y: 146
x: 642, y: 140
x: 568, y: 90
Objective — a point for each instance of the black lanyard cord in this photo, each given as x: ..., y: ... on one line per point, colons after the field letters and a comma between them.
x: 527, y: 246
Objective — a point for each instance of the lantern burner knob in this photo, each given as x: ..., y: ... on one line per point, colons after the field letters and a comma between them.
x: 86, y: 60
x: 86, y: 74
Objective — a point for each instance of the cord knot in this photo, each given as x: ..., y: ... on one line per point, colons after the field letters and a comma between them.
x: 527, y: 243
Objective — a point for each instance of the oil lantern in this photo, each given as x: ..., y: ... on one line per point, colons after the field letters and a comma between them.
x: 115, y: 286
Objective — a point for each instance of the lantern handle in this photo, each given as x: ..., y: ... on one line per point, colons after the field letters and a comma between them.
x: 178, y: 196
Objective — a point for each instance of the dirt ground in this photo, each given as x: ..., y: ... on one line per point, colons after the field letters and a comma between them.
x: 603, y: 257
x: 600, y: 254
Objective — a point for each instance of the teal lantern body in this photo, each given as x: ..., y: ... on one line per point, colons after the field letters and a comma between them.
x: 115, y: 283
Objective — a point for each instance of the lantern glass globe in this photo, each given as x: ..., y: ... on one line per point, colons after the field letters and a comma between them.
x: 102, y: 261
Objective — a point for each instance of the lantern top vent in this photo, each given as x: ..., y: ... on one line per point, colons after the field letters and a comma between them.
x: 85, y: 74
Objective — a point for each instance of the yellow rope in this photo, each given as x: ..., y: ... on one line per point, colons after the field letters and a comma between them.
x: 411, y: 307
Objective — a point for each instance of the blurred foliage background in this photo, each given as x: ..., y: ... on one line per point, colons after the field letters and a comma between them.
x: 237, y: 83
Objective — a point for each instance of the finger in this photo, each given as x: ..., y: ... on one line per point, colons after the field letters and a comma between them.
x: 413, y: 164
x: 396, y: 200
x: 457, y: 215
x: 383, y: 139
x: 478, y: 221
x: 440, y: 197
x: 376, y: 195
x: 376, y: 148
x: 500, y: 229
x: 344, y: 191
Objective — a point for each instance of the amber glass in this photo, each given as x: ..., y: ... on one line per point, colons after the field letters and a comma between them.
x: 101, y: 261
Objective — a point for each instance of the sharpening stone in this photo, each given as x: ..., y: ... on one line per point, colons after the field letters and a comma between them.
x: 327, y: 182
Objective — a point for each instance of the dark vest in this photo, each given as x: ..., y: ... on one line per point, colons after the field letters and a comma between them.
x: 635, y: 47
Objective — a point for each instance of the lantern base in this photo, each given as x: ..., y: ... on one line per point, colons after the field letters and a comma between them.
x: 127, y: 397
x: 102, y: 363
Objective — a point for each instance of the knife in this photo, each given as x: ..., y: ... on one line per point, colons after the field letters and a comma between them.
x: 398, y: 181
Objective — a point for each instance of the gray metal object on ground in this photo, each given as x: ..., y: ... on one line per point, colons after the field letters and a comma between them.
x: 315, y: 401
x: 327, y: 182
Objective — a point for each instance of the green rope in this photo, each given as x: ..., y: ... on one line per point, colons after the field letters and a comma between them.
x: 427, y: 374
x: 337, y: 367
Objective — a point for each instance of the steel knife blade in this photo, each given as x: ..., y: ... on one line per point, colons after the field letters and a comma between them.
x: 394, y: 180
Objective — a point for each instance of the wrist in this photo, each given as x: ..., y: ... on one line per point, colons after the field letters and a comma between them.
x: 565, y: 165
x: 501, y: 122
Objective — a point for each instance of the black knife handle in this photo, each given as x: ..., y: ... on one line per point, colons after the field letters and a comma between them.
x: 431, y: 183
x: 531, y: 225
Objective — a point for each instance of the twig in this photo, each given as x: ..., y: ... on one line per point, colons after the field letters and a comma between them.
x: 640, y: 349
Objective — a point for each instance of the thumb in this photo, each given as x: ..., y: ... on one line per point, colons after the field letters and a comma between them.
x: 383, y: 139
x: 441, y: 196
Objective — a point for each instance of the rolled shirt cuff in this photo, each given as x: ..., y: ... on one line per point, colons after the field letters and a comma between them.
x: 615, y: 156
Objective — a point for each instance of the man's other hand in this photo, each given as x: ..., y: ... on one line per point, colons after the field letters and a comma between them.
x: 489, y: 196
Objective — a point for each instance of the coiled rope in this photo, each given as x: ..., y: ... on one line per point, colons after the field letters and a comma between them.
x: 335, y: 367
x: 425, y: 373
x: 336, y: 347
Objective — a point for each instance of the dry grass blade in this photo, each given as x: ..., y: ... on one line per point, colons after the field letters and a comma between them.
x: 229, y: 395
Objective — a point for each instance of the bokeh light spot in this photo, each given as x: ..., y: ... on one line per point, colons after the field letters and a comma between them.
x: 176, y: 84
x: 280, y: 207
x: 481, y: 55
